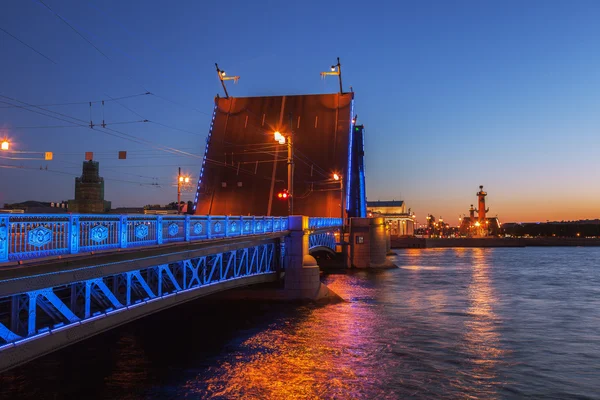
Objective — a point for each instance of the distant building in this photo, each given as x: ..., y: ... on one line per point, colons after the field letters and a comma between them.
x: 400, y: 221
x: 89, y: 191
x: 36, y: 207
x: 127, y: 210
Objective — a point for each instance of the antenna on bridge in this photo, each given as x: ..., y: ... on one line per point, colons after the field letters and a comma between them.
x: 223, y: 77
x: 335, y: 70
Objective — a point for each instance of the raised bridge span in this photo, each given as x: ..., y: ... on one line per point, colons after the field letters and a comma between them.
x: 64, y: 278
x: 244, y: 168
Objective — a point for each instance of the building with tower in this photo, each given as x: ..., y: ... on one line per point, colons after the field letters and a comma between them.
x: 89, y: 191
x: 480, y: 225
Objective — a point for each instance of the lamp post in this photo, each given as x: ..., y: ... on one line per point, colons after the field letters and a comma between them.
x: 180, y: 181
x: 288, y: 141
x: 340, y: 178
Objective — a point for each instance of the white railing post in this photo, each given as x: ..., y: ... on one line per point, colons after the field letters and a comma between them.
x: 123, y: 230
x: 159, y: 230
x: 73, y: 234
x: 4, y: 238
x: 186, y: 226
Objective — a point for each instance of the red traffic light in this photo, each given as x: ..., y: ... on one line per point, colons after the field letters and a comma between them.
x: 283, y: 195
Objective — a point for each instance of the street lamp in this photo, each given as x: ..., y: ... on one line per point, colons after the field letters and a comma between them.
x: 337, y: 177
x: 287, y: 139
x: 180, y: 181
x: 5, y: 145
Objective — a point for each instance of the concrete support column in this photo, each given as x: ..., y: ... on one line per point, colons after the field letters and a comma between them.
x: 368, y: 243
x: 302, y: 280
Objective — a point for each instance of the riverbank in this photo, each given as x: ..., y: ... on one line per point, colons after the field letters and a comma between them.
x: 406, y: 243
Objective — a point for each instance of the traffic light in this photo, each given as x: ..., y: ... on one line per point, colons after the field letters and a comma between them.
x: 283, y: 195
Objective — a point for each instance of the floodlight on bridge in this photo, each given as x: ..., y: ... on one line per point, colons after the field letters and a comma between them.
x: 223, y: 77
x: 335, y: 70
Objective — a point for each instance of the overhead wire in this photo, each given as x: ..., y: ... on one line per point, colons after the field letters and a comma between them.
x: 25, y: 44
x: 109, y: 131
x: 153, y: 122
x: 76, y: 126
x: 74, y: 30
x: 87, y: 102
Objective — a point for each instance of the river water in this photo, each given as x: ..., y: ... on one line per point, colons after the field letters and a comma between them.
x: 449, y: 323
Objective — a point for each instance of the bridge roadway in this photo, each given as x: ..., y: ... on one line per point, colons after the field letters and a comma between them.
x: 47, y: 303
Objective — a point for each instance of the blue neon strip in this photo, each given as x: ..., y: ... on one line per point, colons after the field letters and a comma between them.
x: 348, y: 180
x: 363, y: 195
x: 212, y: 124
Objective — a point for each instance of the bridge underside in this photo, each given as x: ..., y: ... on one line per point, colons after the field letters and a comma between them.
x: 244, y: 168
x: 44, y: 312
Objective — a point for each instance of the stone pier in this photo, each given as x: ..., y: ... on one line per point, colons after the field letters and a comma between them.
x: 368, y: 240
x: 302, y: 275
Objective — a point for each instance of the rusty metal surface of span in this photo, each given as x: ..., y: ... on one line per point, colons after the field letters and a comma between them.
x: 244, y: 167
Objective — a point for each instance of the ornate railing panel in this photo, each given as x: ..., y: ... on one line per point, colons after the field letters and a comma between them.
x: 323, y: 222
x: 98, y: 232
x: 30, y: 236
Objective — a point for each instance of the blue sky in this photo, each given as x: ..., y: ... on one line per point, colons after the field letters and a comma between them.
x: 453, y: 94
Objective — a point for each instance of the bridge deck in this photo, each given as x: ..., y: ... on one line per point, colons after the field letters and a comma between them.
x: 19, y: 278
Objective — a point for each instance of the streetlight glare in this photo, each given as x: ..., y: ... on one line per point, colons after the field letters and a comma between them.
x: 187, y: 179
x: 181, y: 179
x: 277, y: 136
x: 282, y: 140
x: 5, y: 145
x: 336, y: 177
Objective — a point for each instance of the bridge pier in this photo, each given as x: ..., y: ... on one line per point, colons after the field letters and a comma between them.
x: 368, y: 240
x: 302, y: 274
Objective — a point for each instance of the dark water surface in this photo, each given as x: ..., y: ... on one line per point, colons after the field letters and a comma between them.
x: 449, y: 323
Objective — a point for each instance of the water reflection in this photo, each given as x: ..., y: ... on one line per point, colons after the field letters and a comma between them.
x: 449, y: 323
x: 330, y: 352
x: 482, y: 340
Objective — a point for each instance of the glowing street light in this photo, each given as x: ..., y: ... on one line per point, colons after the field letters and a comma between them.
x: 283, y: 139
x: 5, y: 145
x: 181, y: 179
x: 338, y: 177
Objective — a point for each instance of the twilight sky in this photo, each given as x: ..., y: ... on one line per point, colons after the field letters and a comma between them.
x: 453, y: 94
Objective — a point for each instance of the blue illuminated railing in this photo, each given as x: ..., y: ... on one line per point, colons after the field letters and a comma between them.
x: 29, y: 236
x: 323, y: 222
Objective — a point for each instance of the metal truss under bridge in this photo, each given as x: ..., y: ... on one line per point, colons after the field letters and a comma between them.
x: 43, y: 311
